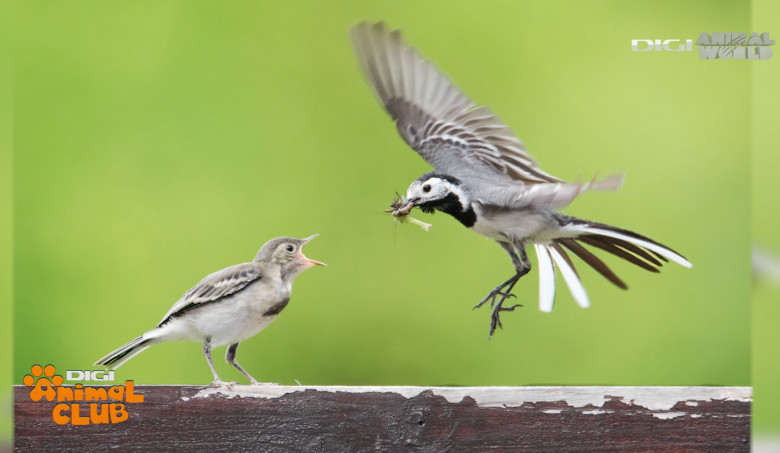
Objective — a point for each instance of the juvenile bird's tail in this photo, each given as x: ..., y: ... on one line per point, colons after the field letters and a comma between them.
x: 116, y: 358
x: 633, y: 247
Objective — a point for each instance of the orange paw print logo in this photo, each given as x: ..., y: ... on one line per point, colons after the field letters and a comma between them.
x: 44, y: 386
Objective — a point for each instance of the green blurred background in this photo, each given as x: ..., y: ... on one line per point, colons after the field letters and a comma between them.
x: 158, y: 141
x: 766, y: 224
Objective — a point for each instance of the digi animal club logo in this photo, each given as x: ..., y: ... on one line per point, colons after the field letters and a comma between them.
x: 80, y: 405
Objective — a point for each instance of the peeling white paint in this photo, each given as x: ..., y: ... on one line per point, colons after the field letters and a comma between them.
x: 650, y: 398
x: 552, y: 411
x: 598, y: 412
x: 668, y: 415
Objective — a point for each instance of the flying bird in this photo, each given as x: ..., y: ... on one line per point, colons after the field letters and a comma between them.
x: 228, y: 306
x: 486, y: 180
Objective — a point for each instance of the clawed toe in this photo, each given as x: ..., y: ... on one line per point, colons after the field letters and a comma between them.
x: 504, y: 296
x: 494, y: 322
x: 482, y: 302
x: 492, y: 297
x: 495, y: 319
x: 495, y: 315
x: 497, y: 296
x: 512, y: 308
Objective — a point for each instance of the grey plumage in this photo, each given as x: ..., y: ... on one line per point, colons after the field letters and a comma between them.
x: 485, y: 178
x: 215, y: 287
x: 435, y: 118
x: 228, y: 306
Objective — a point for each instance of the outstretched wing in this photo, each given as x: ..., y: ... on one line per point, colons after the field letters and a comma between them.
x: 434, y: 117
x: 544, y: 196
x: 216, y: 286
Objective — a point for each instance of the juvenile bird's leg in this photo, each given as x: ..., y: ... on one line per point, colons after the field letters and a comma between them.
x: 503, y: 291
x: 230, y: 358
x: 207, y: 352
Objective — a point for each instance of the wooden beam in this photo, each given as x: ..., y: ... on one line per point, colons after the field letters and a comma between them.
x: 339, y: 419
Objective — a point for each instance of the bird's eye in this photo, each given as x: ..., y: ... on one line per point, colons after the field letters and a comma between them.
x: 289, y: 248
x: 427, y: 188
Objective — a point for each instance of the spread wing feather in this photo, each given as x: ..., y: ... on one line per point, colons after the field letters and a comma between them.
x: 434, y: 117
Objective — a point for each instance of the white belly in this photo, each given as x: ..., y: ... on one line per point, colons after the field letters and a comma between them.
x: 230, y: 320
x: 506, y: 225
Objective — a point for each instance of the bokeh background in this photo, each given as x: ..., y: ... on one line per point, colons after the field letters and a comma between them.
x: 6, y: 216
x: 765, y: 186
x: 156, y: 142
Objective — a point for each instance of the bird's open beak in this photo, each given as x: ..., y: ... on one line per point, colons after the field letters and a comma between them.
x: 306, y: 261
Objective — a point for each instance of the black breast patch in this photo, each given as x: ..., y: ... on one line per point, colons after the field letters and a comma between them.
x: 276, y: 309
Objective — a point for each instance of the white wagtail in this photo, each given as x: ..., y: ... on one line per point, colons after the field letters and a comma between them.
x: 486, y: 180
x: 228, y: 306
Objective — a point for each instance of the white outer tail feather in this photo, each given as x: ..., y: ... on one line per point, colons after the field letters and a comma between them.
x: 547, y: 255
x: 546, y: 278
x: 666, y: 253
x: 571, y: 278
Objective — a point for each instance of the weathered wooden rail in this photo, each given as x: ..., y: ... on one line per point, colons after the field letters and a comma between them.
x: 435, y: 419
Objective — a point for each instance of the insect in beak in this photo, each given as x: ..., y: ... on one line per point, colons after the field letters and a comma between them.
x: 401, y: 207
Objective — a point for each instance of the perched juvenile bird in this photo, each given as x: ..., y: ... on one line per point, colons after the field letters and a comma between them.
x: 486, y: 180
x: 228, y: 306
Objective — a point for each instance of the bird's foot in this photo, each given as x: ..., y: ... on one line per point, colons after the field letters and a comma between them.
x: 497, y: 296
x: 492, y: 295
x: 222, y: 384
x: 495, y: 320
x: 504, y: 296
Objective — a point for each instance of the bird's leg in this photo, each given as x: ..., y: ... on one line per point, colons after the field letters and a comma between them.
x: 522, y: 266
x: 230, y: 358
x: 207, y: 352
x: 502, y: 292
x: 495, y: 321
x: 497, y: 298
x: 498, y: 291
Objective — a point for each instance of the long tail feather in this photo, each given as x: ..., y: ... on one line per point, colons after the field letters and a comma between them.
x: 608, y: 245
x: 592, y: 260
x: 546, y: 278
x: 637, y: 240
x: 569, y: 275
x: 632, y: 247
x: 648, y: 255
x: 116, y: 358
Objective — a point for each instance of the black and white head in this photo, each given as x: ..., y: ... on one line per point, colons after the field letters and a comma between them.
x: 436, y: 191
x: 286, y: 253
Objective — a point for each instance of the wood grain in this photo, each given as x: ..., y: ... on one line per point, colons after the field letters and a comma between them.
x: 419, y: 419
